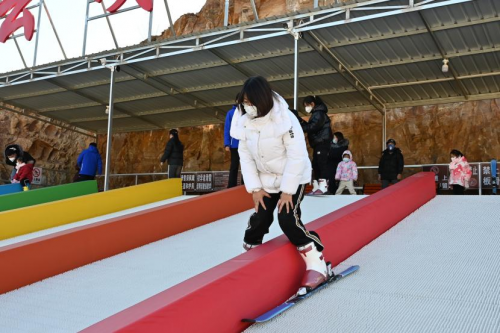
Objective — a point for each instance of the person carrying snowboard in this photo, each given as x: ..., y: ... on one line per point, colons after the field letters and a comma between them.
x: 276, y: 167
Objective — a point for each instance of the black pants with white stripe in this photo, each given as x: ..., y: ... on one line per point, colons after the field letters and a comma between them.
x: 290, y: 223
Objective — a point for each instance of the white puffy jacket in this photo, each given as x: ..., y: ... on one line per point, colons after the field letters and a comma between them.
x: 273, y: 152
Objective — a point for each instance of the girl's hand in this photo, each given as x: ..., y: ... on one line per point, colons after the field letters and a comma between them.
x: 258, y: 198
x: 285, y: 200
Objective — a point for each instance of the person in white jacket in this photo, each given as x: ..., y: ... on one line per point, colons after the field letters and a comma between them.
x: 276, y: 167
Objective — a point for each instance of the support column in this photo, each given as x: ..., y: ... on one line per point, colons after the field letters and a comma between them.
x: 296, y: 72
x: 54, y: 29
x: 85, y: 30
x: 172, y: 28
x: 254, y: 9
x: 384, y: 129
x: 150, y: 28
x: 40, y: 8
x: 110, y: 129
x: 226, y: 14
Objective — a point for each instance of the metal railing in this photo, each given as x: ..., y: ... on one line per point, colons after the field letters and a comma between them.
x: 370, y: 167
x: 413, y: 166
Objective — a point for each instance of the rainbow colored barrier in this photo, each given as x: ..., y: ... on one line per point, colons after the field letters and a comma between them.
x: 34, y: 260
x: 62, y: 212
x: 47, y: 194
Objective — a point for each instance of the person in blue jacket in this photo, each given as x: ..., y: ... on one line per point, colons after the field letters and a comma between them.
x: 231, y: 144
x: 90, y: 163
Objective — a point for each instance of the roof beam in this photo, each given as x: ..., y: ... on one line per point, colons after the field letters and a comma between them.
x: 452, y: 70
x: 169, y: 89
x: 327, y: 54
x: 289, y: 52
x: 387, y: 64
x: 214, y: 39
x: 230, y: 63
x: 335, y: 91
x: 100, y: 102
x: 361, y: 108
x: 326, y: 92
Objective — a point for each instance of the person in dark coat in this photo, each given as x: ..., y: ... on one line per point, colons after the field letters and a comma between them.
x: 319, y: 133
x: 337, y: 147
x: 13, y: 153
x: 390, y: 170
x: 89, y: 163
x: 174, y: 153
x: 231, y: 145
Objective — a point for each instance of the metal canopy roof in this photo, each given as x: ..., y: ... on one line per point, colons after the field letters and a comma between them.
x: 375, y: 54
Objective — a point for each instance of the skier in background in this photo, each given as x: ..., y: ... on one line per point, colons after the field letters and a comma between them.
x: 460, y: 172
x: 231, y: 145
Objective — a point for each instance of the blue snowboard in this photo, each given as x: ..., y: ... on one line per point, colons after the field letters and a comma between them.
x: 291, y: 302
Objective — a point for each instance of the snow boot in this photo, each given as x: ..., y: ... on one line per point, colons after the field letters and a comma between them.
x: 247, y: 247
x: 317, y: 271
x: 315, y: 186
x: 322, y: 187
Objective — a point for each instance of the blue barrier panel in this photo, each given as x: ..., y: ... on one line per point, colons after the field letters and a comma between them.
x: 10, y: 188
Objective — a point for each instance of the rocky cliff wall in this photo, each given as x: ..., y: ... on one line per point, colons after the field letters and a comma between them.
x: 424, y: 134
x: 212, y: 14
x: 55, y: 148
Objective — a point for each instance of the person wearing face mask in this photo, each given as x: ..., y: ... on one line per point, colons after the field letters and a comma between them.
x: 276, y: 168
x: 174, y: 153
x: 12, y: 153
x: 347, y: 174
x: 337, y: 147
x: 390, y: 170
x: 319, y: 133
x: 460, y: 172
x: 24, y: 174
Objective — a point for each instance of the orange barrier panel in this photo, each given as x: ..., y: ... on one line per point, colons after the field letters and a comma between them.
x: 31, y: 261
x: 254, y: 282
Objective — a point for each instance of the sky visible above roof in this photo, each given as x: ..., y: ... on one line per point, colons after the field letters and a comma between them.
x: 69, y: 19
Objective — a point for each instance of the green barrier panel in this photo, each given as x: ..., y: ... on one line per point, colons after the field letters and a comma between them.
x: 47, y: 194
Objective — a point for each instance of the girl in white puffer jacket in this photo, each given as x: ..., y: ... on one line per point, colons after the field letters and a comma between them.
x: 276, y: 168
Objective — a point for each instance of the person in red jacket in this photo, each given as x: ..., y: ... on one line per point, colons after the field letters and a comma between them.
x: 24, y: 173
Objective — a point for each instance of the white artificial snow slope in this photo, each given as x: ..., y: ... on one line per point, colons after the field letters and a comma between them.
x: 436, y: 271
x: 121, y: 213
x: 77, y: 299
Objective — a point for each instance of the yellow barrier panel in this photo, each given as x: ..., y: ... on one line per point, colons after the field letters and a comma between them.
x: 26, y: 220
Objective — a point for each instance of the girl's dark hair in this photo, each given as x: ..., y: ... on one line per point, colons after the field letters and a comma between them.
x: 339, y: 135
x: 313, y: 99
x: 456, y: 153
x: 175, y: 135
x: 258, y: 91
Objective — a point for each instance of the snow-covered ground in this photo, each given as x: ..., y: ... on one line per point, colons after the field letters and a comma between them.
x: 436, y: 271
x: 77, y: 299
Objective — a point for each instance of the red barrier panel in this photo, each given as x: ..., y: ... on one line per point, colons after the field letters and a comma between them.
x: 254, y: 282
x: 34, y: 260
